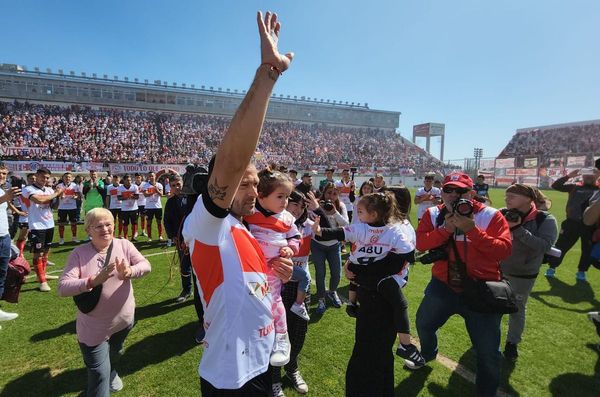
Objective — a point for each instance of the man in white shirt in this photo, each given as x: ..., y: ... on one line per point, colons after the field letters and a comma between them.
x: 153, y: 191
x: 128, y: 194
x: 5, y: 198
x: 141, y: 204
x: 67, y: 207
x: 227, y: 260
x: 113, y: 203
x: 427, y: 196
x: 41, y: 223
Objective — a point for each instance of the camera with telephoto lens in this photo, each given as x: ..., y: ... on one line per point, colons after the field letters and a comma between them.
x: 433, y: 255
x: 463, y: 207
x: 327, y: 205
x: 195, y: 179
x: 512, y: 215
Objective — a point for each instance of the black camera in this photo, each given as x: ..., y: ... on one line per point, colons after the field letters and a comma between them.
x: 433, y: 255
x: 512, y: 215
x: 463, y: 207
x: 195, y: 179
x: 327, y: 205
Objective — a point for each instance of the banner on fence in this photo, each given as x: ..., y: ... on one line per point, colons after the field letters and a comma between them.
x: 531, y: 162
x: 53, y: 166
x: 13, y: 151
x: 576, y: 161
x: 131, y: 168
x: 505, y: 163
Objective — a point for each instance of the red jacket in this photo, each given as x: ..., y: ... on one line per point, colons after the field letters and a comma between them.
x: 488, y: 243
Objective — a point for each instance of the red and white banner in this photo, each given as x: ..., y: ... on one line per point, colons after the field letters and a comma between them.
x: 131, y: 168
x: 525, y: 172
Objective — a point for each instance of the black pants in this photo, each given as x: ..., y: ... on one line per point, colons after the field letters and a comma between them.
x: 370, y: 371
x: 297, y: 329
x: 259, y: 386
x: 570, y: 232
x: 392, y: 293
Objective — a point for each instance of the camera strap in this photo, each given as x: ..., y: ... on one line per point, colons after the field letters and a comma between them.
x: 460, y: 264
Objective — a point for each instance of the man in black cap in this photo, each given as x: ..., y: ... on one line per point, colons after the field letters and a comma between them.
x: 305, y: 185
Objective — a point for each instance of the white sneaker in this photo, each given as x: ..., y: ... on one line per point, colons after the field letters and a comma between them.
x: 144, y: 234
x: 135, y: 235
x: 298, y: 382
x: 44, y: 287
x: 116, y: 384
x: 278, y: 390
x: 280, y: 355
x: 4, y: 316
x: 300, y: 311
x: 50, y: 263
x: 160, y: 238
x: 61, y: 241
x: 76, y: 241
x: 149, y: 239
x: 51, y: 277
x: 169, y: 242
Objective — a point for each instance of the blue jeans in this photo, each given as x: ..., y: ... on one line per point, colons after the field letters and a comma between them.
x: 332, y: 254
x: 438, y: 305
x: 302, y: 276
x: 4, y: 259
x: 185, y: 267
x: 100, y: 360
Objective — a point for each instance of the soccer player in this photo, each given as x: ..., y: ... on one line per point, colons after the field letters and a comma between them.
x: 128, y: 194
x: 113, y: 203
x: 41, y: 223
x: 67, y: 207
x: 153, y: 191
x: 139, y: 179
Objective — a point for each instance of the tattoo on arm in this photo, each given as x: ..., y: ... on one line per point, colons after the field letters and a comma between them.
x: 217, y: 192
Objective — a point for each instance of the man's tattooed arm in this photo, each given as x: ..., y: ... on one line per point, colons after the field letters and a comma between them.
x: 217, y: 192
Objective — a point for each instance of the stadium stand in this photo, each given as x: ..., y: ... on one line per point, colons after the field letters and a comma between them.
x: 79, y: 133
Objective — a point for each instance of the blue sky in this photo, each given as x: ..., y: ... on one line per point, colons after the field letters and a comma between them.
x: 484, y: 68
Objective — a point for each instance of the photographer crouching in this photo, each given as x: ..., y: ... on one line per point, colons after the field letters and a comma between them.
x: 533, y: 234
x: 467, y: 241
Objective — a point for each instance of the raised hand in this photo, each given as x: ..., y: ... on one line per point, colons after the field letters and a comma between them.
x: 573, y: 173
x: 312, y: 202
x: 123, y: 269
x: 269, y: 37
x: 12, y: 193
x: 316, y: 227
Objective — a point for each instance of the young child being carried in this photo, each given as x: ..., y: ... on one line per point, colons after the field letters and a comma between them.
x: 274, y: 229
x: 382, y: 230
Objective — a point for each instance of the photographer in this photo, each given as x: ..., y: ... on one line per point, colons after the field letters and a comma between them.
x: 231, y: 270
x: 533, y: 233
x: 482, y: 239
x: 573, y: 228
x: 329, y: 250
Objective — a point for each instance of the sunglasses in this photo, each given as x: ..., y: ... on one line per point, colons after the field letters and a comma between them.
x: 459, y: 190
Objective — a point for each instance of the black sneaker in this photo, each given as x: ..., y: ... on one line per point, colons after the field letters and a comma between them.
x: 352, y: 309
x: 183, y: 296
x: 411, y: 355
x: 510, y: 352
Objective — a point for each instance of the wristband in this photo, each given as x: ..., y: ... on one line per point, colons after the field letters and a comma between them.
x: 273, y: 67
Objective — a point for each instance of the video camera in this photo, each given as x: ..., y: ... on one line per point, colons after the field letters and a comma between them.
x: 195, y: 179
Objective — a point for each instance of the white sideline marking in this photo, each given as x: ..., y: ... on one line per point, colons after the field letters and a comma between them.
x: 460, y: 369
x: 32, y: 274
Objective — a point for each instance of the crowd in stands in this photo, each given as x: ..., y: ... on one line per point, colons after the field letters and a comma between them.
x: 79, y: 133
x: 574, y: 139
